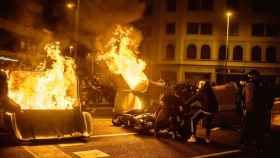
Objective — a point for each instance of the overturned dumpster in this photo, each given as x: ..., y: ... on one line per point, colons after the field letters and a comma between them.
x: 49, y: 101
x: 120, y: 55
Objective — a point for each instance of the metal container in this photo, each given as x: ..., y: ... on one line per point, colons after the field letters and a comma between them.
x: 49, y: 124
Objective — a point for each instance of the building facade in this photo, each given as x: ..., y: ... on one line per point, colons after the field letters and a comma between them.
x: 186, y: 40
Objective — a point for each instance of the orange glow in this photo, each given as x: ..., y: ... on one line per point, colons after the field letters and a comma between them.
x: 70, y: 5
x: 49, y: 87
x: 120, y: 57
x: 228, y: 13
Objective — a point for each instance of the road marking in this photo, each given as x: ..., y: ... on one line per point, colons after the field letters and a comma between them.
x: 91, y: 154
x: 45, y: 151
x: 113, y: 135
x: 70, y: 144
x: 215, y: 128
x: 218, y: 154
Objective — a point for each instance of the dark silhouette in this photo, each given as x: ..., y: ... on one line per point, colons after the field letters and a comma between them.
x: 5, y: 102
x: 258, y: 102
x: 172, y: 114
x: 202, y: 105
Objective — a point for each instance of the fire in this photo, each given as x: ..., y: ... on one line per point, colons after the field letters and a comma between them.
x: 52, y: 86
x: 120, y: 56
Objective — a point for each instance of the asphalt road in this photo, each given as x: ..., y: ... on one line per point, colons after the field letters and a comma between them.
x: 118, y: 142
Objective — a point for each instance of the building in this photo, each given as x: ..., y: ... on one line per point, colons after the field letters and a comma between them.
x: 21, y: 43
x: 186, y: 39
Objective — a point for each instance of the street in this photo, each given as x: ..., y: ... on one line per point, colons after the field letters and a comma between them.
x: 118, y: 142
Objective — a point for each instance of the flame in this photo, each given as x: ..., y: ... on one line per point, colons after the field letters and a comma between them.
x: 51, y: 87
x: 120, y: 56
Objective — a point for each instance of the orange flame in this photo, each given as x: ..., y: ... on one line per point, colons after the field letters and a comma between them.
x: 47, y: 88
x: 120, y: 57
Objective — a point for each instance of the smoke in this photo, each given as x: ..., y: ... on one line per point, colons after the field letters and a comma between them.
x: 95, y: 18
x: 29, y: 13
x: 100, y: 15
x: 26, y: 21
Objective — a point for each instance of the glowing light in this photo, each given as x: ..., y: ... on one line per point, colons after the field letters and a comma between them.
x: 228, y: 14
x: 70, y: 5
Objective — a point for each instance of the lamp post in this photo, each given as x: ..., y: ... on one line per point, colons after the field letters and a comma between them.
x: 76, y: 7
x: 228, y: 14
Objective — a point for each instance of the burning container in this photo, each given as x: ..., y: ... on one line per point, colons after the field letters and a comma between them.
x: 49, y: 124
x: 121, y: 55
x: 48, y: 97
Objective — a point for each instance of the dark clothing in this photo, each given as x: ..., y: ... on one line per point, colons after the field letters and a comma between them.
x: 253, y: 129
x: 255, y: 119
x: 5, y: 102
x: 208, y: 98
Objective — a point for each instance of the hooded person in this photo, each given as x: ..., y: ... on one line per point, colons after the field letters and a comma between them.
x: 256, y: 107
x: 5, y: 102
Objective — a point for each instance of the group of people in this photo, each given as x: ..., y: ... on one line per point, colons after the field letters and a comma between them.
x: 254, y: 102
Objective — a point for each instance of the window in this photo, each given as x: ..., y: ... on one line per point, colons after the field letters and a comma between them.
x: 193, y: 4
x: 170, y: 29
x: 258, y: 29
x: 234, y: 29
x: 149, y: 8
x: 271, y: 30
x: 200, y: 5
x: 205, y: 52
x: 237, y: 53
x: 207, y: 4
x: 271, y: 54
x: 171, y: 5
x: 199, y: 28
x: 191, y: 51
x: 222, y: 52
x: 233, y: 4
x: 192, y: 28
x: 256, y: 54
x: 206, y: 29
x: 170, y: 52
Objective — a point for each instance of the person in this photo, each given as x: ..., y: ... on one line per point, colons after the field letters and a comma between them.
x: 5, y: 102
x: 203, y: 106
x: 255, y: 111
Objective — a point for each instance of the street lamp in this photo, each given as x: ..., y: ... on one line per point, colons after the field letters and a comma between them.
x: 76, y: 7
x: 71, y: 50
x: 70, y: 5
x: 228, y: 14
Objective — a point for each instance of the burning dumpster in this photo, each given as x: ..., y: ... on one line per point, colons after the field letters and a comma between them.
x: 48, y: 97
x: 120, y: 54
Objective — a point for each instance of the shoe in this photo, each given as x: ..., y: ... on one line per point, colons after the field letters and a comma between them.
x: 192, y: 139
x: 207, y: 140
